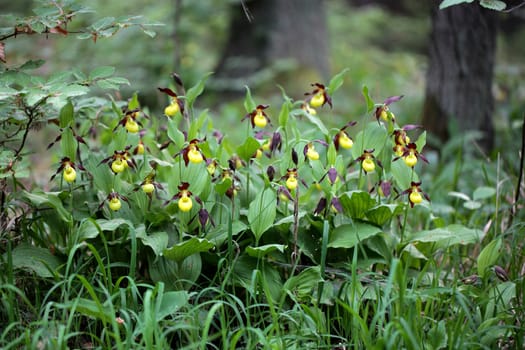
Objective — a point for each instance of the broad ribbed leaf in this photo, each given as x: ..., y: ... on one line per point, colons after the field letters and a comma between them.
x: 262, y: 251
x: 182, y: 250
x: 488, y: 256
x: 356, y: 203
x: 38, y: 260
x: 262, y: 211
x: 349, y: 235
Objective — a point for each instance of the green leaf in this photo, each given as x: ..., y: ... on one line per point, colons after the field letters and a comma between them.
x: 196, y: 90
x: 493, y: 4
x: 101, y: 72
x: 262, y: 251
x: 68, y: 144
x: 157, y: 241
x: 483, y: 193
x: 248, y: 148
x: 182, y: 250
x: 459, y: 195
x: 134, y: 102
x: 249, y: 105
x: 356, y: 203
x: 437, y: 336
x: 316, y: 121
x: 402, y: 174
x: 175, y: 134
x: 447, y: 3
x: 90, y: 228
x: 331, y: 154
x: 284, y: 113
x: 223, y: 186
x: 472, y: 205
x: 103, y: 23
x: 349, y: 235
x: 488, y: 256
x: 171, y: 302
x: 448, y: 236
x: 38, y: 260
x: 369, y: 102
x: 336, y: 81
x: 421, y: 141
x: 74, y: 90
x: 383, y: 213
x: 373, y: 136
x: 302, y: 285
x: 49, y: 199
x: 197, y: 125
x: 262, y: 212
x: 66, y: 115
x: 107, y: 85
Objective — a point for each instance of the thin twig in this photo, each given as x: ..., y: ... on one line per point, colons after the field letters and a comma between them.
x: 520, y: 176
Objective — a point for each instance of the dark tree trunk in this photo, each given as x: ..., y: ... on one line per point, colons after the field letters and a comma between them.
x: 460, y: 71
x: 279, y: 29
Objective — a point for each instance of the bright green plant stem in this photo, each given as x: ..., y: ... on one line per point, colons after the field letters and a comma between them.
x: 324, y: 250
x: 406, y: 211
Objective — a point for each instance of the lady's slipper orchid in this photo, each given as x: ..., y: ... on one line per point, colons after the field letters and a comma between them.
x: 114, y: 201
x: 410, y: 155
x: 192, y: 153
x: 368, y: 161
x: 68, y: 170
x: 341, y: 139
x: 175, y: 106
x: 318, y: 97
x: 291, y: 179
x: 415, y: 194
x: 382, y: 111
x: 129, y: 121
x: 120, y: 160
x: 258, y: 117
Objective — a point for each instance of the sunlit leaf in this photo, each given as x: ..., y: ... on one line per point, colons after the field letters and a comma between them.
x: 349, y: 235
x: 336, y: 81
x: 262, y: 211
x: 35, y: 259
x: 488, y: 256
x: 483, y: 193
x: 262, y: 251
x: 447, y: 3
x: 182, y: 250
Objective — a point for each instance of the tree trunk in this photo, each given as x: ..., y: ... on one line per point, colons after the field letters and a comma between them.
x: 460, y: 71
x: 276, y: 30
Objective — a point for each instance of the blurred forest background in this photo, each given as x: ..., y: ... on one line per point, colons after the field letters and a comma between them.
x: 265, y: 44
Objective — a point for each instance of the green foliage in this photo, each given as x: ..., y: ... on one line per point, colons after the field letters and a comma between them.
x: 163, y: 231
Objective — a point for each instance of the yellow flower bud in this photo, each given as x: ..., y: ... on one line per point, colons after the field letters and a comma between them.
x: 291, y: 182
x: 185, y: 203
x: 115, y: 204
x: 119, y: 165
x: 148, y: 188
x: 384, y: 115
x: 317, y: 100
x: 258, y: 153
x: 132, y: 126
x: 415, y: 197
x: 69, y: 173
x: 368, y: 165
x: 260, y: 120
